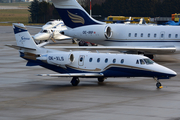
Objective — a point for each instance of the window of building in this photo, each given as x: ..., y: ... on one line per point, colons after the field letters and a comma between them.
x: 114, y: 60
x: 98, y: 60
x: 106, y: 60
x: 90, y: 59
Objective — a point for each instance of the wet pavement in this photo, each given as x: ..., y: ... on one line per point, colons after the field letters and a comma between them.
x: 26, y: 96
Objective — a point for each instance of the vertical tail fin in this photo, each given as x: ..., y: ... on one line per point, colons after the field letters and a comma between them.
x: 23, y: 38
x: 73, y: 14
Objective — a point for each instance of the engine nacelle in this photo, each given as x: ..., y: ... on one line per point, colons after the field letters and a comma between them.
x: 58, y: 58
x: 91, y: 32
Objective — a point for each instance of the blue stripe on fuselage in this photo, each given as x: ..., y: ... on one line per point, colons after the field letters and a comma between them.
x: 73, y: 13
x: 18, y: 30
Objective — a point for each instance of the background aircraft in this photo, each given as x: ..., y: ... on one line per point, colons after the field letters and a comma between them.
x: 86, y: 64
x: 143, y: 38
x: 52, y: 34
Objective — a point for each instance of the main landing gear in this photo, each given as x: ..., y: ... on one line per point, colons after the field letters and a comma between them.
x: 158, y: 84
x: 101, y: 79
x: 75, y: 81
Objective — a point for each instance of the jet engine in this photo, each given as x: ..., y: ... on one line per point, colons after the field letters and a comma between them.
x: 90, y: 33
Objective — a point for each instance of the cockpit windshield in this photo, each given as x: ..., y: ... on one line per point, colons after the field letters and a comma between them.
x: 50, y: 23
x: 148, y: 61
x: 44, y: 31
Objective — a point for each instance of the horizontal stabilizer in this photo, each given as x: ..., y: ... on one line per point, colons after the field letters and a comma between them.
x: 73, y: 75
x: 162, y: 49
x: 19, y: 47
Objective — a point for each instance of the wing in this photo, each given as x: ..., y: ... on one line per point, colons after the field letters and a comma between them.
x: 19, y: 47
x: 73, y: 75
x: 128, y: 49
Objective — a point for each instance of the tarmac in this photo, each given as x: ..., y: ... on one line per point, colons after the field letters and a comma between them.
x: 26, y: 96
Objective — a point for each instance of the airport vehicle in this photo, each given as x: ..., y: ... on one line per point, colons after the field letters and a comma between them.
x: 175, y: 17
x: 78, y: 64
x: 145, y: 39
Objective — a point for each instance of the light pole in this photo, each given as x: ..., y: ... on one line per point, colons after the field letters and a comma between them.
x: 90, y: 9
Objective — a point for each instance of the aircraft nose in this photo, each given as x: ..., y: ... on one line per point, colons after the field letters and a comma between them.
x: 169, y: 72
x: 172, y: 73
x: 40, y: 36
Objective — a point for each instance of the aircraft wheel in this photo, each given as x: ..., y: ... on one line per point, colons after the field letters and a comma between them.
x: 158, y: 85
x: 75, y: 81
x: 101, y: 79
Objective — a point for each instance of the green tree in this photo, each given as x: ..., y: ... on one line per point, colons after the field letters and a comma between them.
x: 33, y: 9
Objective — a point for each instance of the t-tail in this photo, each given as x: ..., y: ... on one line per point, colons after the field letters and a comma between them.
x: 73, y: 14
x: 23, y: 38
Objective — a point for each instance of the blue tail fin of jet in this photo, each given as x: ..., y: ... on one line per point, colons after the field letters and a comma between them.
x: 73, y: 14
x: 23, y: 38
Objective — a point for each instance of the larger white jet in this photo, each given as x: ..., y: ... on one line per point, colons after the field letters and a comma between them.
x: 86, y: 64
x: 130, y: 38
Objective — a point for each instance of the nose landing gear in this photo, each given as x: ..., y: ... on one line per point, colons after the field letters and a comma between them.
x: 158, y: 84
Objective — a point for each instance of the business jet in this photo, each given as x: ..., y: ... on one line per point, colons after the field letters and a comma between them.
x: 86, y: 64
x: 143, y: 38
x: 52, y: 34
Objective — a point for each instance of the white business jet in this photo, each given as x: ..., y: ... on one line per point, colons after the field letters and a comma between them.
x: 85, y: 64
x: 129, y: 38
x: 51, y: 31
x: 52, y: 34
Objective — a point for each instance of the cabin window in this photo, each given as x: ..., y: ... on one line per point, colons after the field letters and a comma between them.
x: 114, y: 60
x: 148, y: 34
x: 137, y: 62
x: 148, y: 61
x: 142, y: 62
x: 162, y: 35
x: 169, y: 35
x: 135, y: 35
x: 141, y: 34
x: 129, y: 34
x: 155, y: 35
x: 90, y: 59
x: 106, y: 60
x: 176, y: 35
x: 122, y: 61
x: 98, y: 60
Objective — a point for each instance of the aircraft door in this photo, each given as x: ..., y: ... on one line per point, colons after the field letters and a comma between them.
x: 81, y: 60
x: 162, y: 35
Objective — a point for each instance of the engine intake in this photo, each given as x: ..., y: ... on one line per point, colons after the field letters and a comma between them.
x: 108, y: 32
